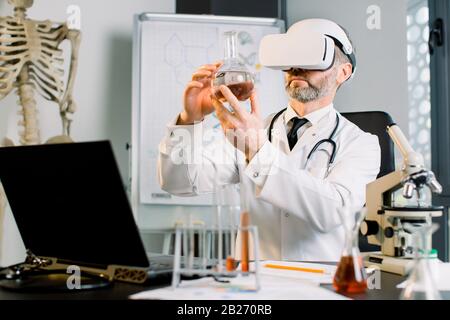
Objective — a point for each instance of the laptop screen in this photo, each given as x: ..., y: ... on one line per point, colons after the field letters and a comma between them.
x: 69, y: 202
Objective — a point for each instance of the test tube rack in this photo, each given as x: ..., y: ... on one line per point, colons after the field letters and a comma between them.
x: 198, y: 252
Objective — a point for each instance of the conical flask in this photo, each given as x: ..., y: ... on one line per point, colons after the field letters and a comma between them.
x: 233, y: 73
x: 420, y: 284
x: 350, y: 276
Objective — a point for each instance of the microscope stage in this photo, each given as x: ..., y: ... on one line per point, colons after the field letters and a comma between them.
x: 413, y: 212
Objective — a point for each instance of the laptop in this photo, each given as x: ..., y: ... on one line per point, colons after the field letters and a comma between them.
x: 70, y: 204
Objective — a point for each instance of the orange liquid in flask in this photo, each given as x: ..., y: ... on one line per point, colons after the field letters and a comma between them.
x: 350, y: 275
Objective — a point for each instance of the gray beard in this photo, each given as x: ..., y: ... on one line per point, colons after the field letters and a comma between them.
x: 304, y: 94
x: 311, y: 92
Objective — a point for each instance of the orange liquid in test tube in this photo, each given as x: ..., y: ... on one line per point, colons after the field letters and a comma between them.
x: 245, y: 223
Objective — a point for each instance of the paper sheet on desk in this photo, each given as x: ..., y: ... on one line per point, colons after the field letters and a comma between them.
x: 443, y: 274
x: 272, y: 288
x: 318, y: 278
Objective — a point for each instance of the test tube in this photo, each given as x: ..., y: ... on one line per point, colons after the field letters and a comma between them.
x: 191, y: 243
x: 220, y: 236
x: 245, y: 223
x: 231, y: 262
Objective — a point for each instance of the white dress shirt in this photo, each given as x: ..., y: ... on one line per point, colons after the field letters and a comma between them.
x: 292, y: 201
x: 312, y: 118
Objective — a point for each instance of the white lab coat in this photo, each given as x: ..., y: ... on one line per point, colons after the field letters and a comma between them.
x: 293, y: 203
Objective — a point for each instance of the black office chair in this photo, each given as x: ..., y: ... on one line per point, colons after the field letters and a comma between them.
x: 375, y: 122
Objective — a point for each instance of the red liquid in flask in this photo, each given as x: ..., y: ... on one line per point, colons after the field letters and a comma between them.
x: 242, y: 91
x: 350, y: 275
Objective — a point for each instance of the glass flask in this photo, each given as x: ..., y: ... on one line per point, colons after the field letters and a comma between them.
x: 350, y: 276
x: 420, y: 284
x: 233, y: 73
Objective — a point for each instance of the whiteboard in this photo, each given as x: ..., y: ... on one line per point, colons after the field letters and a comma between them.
x: 168, y: 48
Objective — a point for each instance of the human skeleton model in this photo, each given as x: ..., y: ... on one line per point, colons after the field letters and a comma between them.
x: 30, y: 60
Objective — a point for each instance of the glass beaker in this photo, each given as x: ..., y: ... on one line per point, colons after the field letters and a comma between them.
x: 420, y: 284
x: 228, y: 208
x: 233, y: 73
x: 350, y: 276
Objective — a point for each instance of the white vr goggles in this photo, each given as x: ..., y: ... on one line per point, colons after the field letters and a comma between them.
x: 308, y: 44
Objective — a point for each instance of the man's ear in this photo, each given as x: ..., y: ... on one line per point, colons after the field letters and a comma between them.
x: 344, y: 73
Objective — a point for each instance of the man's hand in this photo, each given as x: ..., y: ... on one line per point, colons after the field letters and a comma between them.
x: 196, y: 98
x: 244, y: 130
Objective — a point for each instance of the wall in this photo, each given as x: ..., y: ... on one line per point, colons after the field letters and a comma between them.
x: 102, y: 89
x: 381, y: 79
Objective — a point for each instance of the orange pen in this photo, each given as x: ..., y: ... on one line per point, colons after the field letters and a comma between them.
x: 275, y: 266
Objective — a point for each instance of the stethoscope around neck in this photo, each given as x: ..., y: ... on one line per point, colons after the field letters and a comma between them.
x: 318, y: 144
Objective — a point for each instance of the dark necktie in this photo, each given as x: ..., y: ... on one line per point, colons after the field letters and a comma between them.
x: 297, y: 123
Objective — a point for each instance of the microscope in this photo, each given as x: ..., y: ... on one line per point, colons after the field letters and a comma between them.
x: 385, y: 221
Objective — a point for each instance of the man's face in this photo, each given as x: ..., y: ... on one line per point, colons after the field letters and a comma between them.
x: 309, y: 85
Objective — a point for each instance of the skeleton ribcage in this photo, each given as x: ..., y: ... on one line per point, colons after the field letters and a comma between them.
x: 33, y: 44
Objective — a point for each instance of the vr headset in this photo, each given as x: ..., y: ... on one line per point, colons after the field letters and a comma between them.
x: 308, y: 44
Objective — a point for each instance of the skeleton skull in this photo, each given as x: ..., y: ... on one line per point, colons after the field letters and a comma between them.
x: 21, y: 3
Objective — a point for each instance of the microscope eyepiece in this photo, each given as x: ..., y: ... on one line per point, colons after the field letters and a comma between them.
x: 435, y: 186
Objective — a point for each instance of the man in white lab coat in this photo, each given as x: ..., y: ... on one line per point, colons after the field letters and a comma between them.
x: 291, y: 199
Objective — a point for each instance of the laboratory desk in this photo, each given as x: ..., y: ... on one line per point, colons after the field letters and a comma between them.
x: 121, y: 291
